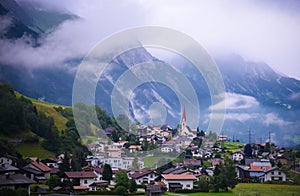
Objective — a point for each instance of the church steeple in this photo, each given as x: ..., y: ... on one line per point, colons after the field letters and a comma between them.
x: 183, y: 120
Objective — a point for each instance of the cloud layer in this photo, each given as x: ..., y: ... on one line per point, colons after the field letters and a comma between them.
x: 262, y: 31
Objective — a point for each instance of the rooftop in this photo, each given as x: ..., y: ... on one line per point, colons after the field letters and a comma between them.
x: 14, y: 179
x: 78, y: 174
x: 179, y: 176
x: 139, y: 174
x: 41, y: 166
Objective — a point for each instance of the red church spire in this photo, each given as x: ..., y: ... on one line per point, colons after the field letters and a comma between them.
x: 183, y: 116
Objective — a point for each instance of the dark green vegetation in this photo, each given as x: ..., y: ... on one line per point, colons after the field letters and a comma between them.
x: 10, y: 192
x: 123, y: 184
x: 107, y: 173
x: 26, y: 130
x: 224, y: 178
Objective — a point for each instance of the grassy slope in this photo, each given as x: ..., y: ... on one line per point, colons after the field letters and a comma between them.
x: 48, y: 109
x: 36, y: 149
x: 149, y: 161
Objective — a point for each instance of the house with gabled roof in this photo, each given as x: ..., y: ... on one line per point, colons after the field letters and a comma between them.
x: 15, y: 181
x: 8, y: 169
x: 178, y: 181
x: 81, y: 179
x: 37, y: 170
x: 258, y: 168
x: 273, y: 174
x: 145, y: 176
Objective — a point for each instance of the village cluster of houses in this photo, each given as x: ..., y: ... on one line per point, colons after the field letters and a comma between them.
x: 182, y: 175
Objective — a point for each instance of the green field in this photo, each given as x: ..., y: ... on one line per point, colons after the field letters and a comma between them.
x: 245, y: 189
x: 59, y: 120
x: 233, y: 146
x: 149, y: 161
x: 48, y: 109
x: 34, y: 150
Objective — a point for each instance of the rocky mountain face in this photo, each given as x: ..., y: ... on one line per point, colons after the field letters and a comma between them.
x: 257, y: 97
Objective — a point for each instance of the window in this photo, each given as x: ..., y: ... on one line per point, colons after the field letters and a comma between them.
x: 279, y: 173
x: 272, y: 173
x: 85, y: 182
x: 188, y: 185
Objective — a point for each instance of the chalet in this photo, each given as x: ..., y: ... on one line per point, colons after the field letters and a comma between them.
x: 144, y: 176
x: 15, y: 181
x: 36, y: 170
x: 135, y: 148
x: 52, y: 162
x: 154, y: 190
x: 8, y: 159
x: 98, y: 185
x: 273, y: 174
x: 258, y: 168
x: 178, y: 181
x: 8, y: 169
x: 237, y: 156
x: 81, y: 179
x: 243, y: 173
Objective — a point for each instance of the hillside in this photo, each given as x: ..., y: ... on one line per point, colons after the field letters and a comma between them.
x: 30, y: 127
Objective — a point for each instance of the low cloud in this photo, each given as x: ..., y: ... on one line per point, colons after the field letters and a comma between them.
x: 72, y: 39
x: 242, y: 117
x: 235, y: 101
x: 5, y: 23
x: 274, y: 119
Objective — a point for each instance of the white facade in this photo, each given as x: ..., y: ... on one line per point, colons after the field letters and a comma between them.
x: 114, y: 162
x: 52, y: 165
x: 186, y: 184
x: 149, y: 178
x: 167, y: 149
x: 273, y: 175
x: 237, y: 156
x: 87, y: 181
x: 6, y: 160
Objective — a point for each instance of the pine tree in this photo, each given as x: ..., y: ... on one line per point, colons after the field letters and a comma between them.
x: 107, y: 173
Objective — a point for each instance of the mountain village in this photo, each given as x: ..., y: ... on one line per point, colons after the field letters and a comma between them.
x: 147, y: 168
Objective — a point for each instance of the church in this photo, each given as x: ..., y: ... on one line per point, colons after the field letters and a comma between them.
x: 185, y: 130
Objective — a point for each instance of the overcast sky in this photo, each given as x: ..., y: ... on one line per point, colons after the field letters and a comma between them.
x: 267, y: 31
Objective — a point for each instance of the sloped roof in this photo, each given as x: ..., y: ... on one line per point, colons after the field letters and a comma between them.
x: 179, y: 176
x: 41, y: 166
x: 7, y: 168
x: 142, y: 173
x: 77, y: 174
x: 135, y: 146
x: 170, y: 170
x: 260, y: 166
x: 15, y: 179
x: 31, y: 170
x: 80, y: 188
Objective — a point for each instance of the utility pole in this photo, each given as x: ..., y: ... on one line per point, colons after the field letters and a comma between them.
x: 270, y: 137
x: 250, y: 136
